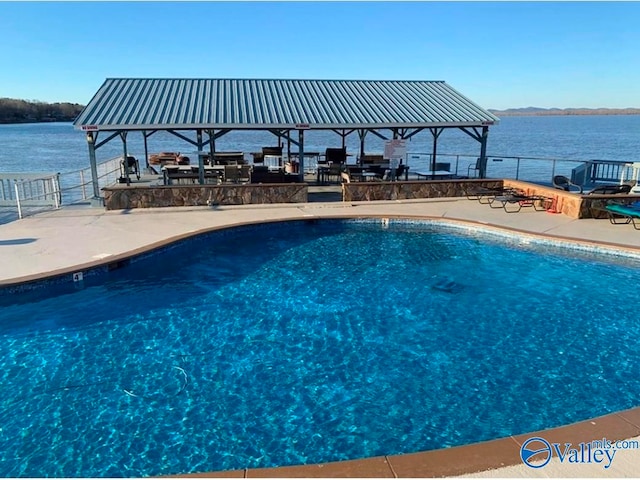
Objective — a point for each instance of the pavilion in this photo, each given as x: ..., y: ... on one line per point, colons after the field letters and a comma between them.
x: 200, y: 111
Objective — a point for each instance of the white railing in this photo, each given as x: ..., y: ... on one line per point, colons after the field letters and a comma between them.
x: 77, y: 185
x: 28, y: 190
x: 30, y: 193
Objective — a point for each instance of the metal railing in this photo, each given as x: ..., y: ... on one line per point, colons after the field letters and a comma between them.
x: 533, y: 169
x: 28, y: 193
x: 77, y: 185
x: 33, y: 191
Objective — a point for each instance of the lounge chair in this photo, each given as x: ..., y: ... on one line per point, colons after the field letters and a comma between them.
x: 563, y: 183
x: 629, y: 213
x: 611, y: 190
x: 485, y: 194
x: 517, y: 201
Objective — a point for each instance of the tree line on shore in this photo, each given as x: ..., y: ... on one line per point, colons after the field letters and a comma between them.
x: 23, y: 111
x: 534, y: 111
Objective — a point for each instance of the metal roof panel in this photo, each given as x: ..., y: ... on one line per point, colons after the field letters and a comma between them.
x: 162, y: 103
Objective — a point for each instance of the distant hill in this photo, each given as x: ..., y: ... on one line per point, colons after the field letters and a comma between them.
x: 564, y: 111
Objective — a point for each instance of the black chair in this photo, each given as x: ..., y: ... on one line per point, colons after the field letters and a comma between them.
x: 130, y: 167
x: 335, y: 155
x: 563, y: 183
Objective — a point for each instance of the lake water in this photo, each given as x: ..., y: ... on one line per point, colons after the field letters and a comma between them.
x: 58, y: 147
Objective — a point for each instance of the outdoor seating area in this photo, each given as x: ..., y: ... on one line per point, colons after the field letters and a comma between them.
x: 229, y: 173
x: 367, y: 168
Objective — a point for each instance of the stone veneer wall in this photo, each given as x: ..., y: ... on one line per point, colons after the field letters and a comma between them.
x: 567, y: 203
x: 573, y: 205
x: 366, y: 191
x: 145, y: 196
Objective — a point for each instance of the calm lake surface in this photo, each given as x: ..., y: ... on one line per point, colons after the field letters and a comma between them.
x: 58, y: 147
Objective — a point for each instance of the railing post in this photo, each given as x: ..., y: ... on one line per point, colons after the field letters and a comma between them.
x: 56, y: 191
x: 517, y: 168
x: 82, y: 184
x: 553, y: 168
x: 15, y: 185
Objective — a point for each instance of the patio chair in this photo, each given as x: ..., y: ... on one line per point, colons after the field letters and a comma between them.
x: 130, y: 167
x: 244, y: 174
x: 334, y: 170
x: 479, y: 168
x: 563, y: 183
x: 231, y: 173
x: 335, y: 155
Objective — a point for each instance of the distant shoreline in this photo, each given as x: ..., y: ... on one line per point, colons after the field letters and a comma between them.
x: 535, y: 111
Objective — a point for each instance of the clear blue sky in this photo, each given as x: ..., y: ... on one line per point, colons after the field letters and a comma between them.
x: 499, y: 54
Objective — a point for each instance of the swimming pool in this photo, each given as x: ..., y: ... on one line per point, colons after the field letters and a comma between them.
x: 308, y: 342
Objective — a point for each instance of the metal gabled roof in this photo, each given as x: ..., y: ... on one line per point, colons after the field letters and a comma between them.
x: 175, y: 103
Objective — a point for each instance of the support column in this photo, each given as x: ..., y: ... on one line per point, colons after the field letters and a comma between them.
x: 123, y: 136
x: 146, y: 149
x: 91, y: 142
x: 212, y: 145
x: 301, y: 155
x: 200, y: 157
x: 436, y: 133
x: 362, y: 133
x: 482, y: 173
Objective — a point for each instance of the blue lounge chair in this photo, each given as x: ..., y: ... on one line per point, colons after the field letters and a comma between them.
x: 623, y: 214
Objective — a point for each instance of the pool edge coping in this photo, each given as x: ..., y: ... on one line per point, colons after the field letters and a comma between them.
x: 120, y: 257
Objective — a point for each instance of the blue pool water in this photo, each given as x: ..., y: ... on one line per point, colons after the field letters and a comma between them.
x: 311, y: 342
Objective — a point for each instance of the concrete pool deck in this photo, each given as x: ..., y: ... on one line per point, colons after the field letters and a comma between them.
x: 75, y: 238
